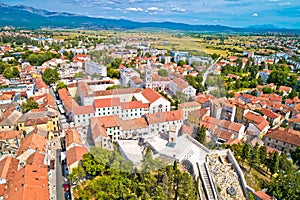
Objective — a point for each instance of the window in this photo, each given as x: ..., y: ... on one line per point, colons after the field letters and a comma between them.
x: 78, y: 121
x: 276, y: 141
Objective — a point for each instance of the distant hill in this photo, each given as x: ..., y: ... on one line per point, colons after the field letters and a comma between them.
x: 31, y: 18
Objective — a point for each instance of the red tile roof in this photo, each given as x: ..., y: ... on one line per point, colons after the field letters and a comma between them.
x: 188, y: 104
x: 255, y: 117
x: 262, y: 125
x: 161, y: 117
x: 81, y: 110
x: 286, y: 135
x: 33, y: 141
x: 7, y: 135
x: 270, y: 113
x: 284, y: 89
x: 8, y: 166
x: 75, y: 154
x: 262, y: 195
x: 64, y: 94
x: 117, y: 91
x: 109, y: 102
x: 233, y: 126
x: 133, y: 105
x: 109, y: 121
x: 133, y: 124
x: 30, y: 182
x: 40, y: 83
x: 72, y: 136
x: 36, y: 159
x: 151, y: 95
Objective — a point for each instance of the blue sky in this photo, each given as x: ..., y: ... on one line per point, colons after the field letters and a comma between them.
x: 236, y: 13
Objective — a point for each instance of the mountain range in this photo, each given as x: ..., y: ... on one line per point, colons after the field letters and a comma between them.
x: 30, y: 18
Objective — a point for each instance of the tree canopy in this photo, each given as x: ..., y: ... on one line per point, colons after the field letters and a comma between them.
x: 30, y: 104
x: 50, y: 76
x: 113, y: 177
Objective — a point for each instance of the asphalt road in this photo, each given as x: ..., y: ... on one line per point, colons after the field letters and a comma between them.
x: 59, y: 178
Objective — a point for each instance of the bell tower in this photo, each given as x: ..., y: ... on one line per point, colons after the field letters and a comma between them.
x: 148, y: 75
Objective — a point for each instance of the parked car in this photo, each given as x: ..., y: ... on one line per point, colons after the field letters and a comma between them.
x: 67, y: 195
x: 66, y: 187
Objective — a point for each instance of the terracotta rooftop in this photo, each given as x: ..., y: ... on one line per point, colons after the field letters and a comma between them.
x: 85, y: 89
x: 117, y: 91
x: 200, y: 112
x: 109, y: 102
x: 81, y: 110
x: 262, y: 195
x: 133, y: 105
x: 156, y: 77
x: 30, y: 182
x: 285, y: 89
x: 270, y: 113
x: 75, y: 154
x: 188, y: 104
x: 286, y: 135
x: 161, y: 117
x: 64, y: 94
x: 8, y: 166
x: 133, y: 124
x: 97, y: 129
x: 36, y: 159
x: 181, y: 84
x: 109, y: 121
x: 233, y: 126
x: 7, y: 135
x: 151, y: 95
x: 254, y: 117
x: 262, y: 125
x: 33, y: 141
x: 72, y: 136
x: 189, y: 130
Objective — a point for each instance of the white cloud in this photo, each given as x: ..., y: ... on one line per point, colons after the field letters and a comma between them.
x: 178, y: 9
x: 153, y: 9
x: 284, y: 4
x: 134, y: 9
x: 255, y: 15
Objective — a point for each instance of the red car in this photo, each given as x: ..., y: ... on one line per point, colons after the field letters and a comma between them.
x: 66, y: 187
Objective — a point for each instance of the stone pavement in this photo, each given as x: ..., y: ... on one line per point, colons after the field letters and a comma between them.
x: 54, y: 144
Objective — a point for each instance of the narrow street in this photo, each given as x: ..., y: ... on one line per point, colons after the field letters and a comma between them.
x: 59, y: 177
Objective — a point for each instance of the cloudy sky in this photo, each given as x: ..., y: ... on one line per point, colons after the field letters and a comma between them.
x: 236, y: 13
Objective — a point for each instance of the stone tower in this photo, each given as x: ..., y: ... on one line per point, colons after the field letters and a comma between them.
x: 148, y: 75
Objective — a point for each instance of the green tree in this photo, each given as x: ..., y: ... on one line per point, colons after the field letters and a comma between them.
x: 296, y: 156
x: 181, y: 63
x: 254, y: 156
x: 50, y: 76
x: 30, y: 104
x: 246, y: 152
x: 263, y: 155
x: 285, y: 185
x: 163, y: 72
x: 274, y: 164
x: 61, y: 85
x: 267, y: 90
x: 15, y: 72
x: 201, y: 135
x: 180, y: 97
x: 79, y: 75
x: 278, y: 77
x: 77, y: 175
